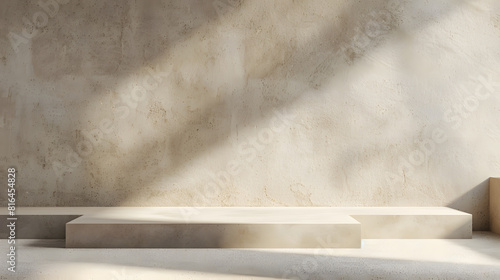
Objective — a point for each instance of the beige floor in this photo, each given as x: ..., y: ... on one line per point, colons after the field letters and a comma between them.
x: 477, y: 258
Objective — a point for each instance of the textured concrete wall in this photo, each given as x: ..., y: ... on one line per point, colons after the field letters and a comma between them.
x: 495, y: 205
x: 251, y: 103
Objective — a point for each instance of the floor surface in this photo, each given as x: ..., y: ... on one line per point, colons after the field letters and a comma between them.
x: 477, y: 258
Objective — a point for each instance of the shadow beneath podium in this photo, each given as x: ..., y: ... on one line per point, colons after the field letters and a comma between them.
x: 406, y: 260
x: 46, y: 243
x: 291, y: 264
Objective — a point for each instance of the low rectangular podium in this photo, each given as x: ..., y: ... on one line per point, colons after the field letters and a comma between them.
x: 236, y: 227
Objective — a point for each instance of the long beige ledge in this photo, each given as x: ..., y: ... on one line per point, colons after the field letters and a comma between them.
x: 374, y: 222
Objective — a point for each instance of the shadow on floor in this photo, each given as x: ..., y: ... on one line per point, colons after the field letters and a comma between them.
x: 295, y: 263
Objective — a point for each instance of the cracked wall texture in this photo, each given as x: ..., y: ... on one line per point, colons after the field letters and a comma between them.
x: 251, y: 103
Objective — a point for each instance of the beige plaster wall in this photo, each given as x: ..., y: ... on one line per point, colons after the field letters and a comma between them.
x: 251, y: 103
x: 495, y: 204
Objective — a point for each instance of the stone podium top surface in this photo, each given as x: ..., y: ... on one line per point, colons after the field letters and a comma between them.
x: 217, y: 215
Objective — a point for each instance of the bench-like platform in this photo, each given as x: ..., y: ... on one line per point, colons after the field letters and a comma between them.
x: 236, y: 227
x: 214, y: 228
